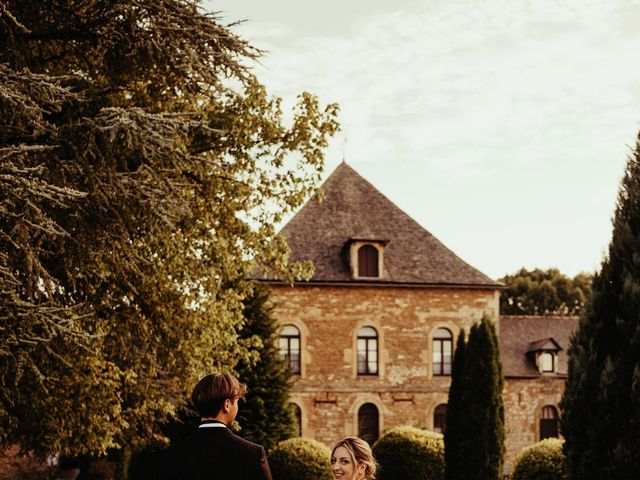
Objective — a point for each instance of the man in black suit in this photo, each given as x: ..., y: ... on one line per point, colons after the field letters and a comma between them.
x: 213, y: 452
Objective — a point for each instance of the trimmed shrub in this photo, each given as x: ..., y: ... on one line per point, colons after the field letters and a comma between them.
x: 541, y: 461
x: 300, y: 458
x: 409, y: 453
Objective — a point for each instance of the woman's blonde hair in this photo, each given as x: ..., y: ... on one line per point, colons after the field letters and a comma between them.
x: 360, y: 453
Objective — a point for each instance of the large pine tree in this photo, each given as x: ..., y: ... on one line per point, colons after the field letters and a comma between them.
x: 601, y: 402
x: 265, y: 416
x: 478, y: 432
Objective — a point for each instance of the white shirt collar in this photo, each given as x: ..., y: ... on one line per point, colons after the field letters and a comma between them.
x: 212, y: 425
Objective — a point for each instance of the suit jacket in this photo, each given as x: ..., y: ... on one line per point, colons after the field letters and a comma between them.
x: 215, y: 454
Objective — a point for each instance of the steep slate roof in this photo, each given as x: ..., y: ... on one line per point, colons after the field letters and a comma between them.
x: 354, y: 209
x: 518, y: 332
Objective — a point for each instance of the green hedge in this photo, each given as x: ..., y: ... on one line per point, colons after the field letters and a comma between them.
x: 541, y: 461
x: 300, y: 458
x: 409, y: 453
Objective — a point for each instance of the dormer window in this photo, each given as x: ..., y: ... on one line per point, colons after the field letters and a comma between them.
x: 544, y: 354
x: 368, y: 261
x: 366, y: 258
x: 547, y: 361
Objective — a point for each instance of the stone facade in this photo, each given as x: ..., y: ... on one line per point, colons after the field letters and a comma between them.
x: 329, y: 390
x: 524, y: 399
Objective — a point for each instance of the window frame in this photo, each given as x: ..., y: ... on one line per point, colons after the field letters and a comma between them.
x: 440, y: 415
x: 368, y: 340
x: 444, y: 369
x: 297, y: 415
x: 360, y: 416
x: 553, y: 420
x: 286, y: 356
x: 354, y: 246
x: 551, y: 355
x: 371, y: 255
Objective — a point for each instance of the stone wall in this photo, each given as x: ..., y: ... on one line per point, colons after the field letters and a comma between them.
x: 329, y: 391
x: 524, y: 399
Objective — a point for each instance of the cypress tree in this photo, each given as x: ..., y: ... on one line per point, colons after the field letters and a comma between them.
x: 481, y: 440
x: 454, y: 433
x: 496, y: 426
x: 264, y: 416
x: 601, y: 402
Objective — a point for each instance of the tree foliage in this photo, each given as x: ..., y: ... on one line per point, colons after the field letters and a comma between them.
x: 142, y: 167
x: 475, y: 446
x: 544, y: 292
x: 265, y: 416
x: 603, y: 385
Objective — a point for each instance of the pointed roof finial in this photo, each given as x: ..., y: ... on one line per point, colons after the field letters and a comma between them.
x: 344, y: 149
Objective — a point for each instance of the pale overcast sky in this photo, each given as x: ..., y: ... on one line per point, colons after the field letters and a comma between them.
x: 501, y: 126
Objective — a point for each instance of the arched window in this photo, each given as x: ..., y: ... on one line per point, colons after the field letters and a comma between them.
x: 297, y: 417
x: 440, y: 418
x: 548, y: 422
x: 367, y: 351
x: 368, y: 423
x: 290, y: 347
x: 442, y: 349
x: 368, y: 261
x: 547, y: 362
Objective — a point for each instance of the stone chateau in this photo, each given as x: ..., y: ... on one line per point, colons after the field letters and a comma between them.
x: 370, y: 337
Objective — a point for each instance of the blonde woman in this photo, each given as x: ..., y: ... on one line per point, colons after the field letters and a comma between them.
x: 352, y: 459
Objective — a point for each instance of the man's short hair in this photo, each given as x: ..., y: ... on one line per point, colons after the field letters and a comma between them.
x: 211, y: 391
